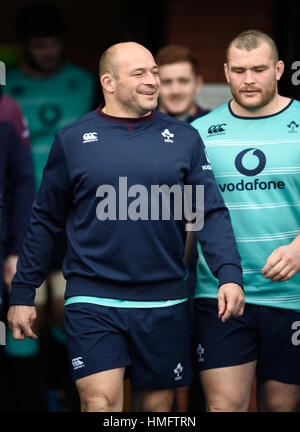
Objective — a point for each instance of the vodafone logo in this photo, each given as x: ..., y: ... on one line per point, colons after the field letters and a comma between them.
x: 258, y: 155
x: 251, y: 162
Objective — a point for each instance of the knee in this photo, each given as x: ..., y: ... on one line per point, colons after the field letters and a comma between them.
x: 226, y: 404
x: 158, y: 402
x: 99, y: 403
x: 276, y: 403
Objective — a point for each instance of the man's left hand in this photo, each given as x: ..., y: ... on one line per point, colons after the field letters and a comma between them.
x: 282, y: 264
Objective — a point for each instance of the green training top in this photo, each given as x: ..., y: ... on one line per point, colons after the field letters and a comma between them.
x: 256, y: 162
x: 50, y: 104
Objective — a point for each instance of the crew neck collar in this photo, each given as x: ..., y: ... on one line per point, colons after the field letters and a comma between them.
x: 128, y: 121
x: 259, y: 117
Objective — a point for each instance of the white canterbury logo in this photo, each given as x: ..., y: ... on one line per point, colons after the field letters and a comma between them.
x: 90, y: 137
x: 77, y: 363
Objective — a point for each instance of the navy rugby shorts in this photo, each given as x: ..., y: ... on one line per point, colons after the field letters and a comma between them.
x: 267, y: 334
x: 154, y: 343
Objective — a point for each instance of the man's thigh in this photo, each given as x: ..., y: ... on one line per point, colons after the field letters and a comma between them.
x: 102, y: 390
x: 275, y: 396
x: 279, y: 350
x: 226, y: 356
x: 96, y: 338
x: 160, y: 347
x: 279, y: 360
x: 151, y: 400
x: 228, y: 388
x: 220, y: 344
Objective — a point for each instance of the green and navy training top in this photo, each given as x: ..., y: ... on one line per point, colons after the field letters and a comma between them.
x: 256, y: 162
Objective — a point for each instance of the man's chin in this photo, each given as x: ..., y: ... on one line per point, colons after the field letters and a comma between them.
x: 250, y: 104
x: 150, y: 106
x: 176, y: 111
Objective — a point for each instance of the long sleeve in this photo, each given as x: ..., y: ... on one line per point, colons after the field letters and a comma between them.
x: 49, y: 213
x: 216, y: 236
x: 20, y: 176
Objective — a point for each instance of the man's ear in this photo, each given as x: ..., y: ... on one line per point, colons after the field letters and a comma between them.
x: 107, y: 82
x: 199, y: 83
x: 226, y: 72
x: 279, y: 69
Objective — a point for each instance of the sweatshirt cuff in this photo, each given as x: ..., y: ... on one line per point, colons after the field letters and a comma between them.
x: 230, y: 273
x: 21, y: 295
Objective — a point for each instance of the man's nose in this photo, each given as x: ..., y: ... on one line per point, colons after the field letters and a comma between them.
x: 249, y: 77
x: 152, y: 79
x: 175, y: 87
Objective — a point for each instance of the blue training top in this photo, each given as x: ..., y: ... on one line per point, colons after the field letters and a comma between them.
x: 119, y: 257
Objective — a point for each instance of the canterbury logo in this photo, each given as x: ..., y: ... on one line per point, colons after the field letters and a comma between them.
x: 216, y: 128
x: 77, y: 363
x: 90, y: 136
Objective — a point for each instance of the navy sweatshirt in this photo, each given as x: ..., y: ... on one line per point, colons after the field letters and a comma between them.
x: 122, y: 258
x: 16, y: 167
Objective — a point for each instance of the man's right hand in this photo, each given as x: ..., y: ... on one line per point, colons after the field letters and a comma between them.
x: 231, y: 301
x: 21, y: 319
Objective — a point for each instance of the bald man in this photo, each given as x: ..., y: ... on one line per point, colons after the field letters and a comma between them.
x: 126, y: 298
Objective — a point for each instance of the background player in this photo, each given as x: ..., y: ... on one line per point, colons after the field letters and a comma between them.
x: 125, y: 277
x: 10, y: 112
x: 180, y: 81
x: 17, y: 192
x: 20, y: 178
x: 51, y: 93
x: 253, y: 143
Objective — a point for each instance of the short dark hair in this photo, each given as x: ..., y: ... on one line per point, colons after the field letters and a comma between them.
x: 39, y: 19
x: 251, y: 39
x: 175, y: 54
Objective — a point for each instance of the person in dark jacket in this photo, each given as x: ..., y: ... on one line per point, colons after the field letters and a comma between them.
x: 126, y: 297
x: 16, y: 167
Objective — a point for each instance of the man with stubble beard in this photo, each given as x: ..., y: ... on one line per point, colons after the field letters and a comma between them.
x: 126, y: 297
x: 253, y: 143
